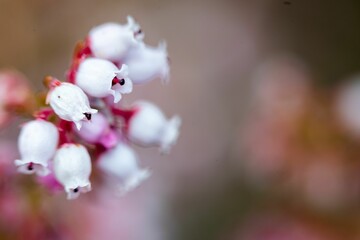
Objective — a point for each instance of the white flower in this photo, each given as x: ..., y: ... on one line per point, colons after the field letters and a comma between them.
x: 111, y: 41
x: 147, y: 63
x: 149, y: 127
x: 37, y: 143
x: 72, y: 168
x: 121, y: 163
x: 101, y: 78
x: 70, y: 103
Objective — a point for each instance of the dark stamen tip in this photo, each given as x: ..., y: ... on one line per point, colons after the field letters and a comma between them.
x: 88, y: 116
x: 76, y: 190
x: 30, y: 167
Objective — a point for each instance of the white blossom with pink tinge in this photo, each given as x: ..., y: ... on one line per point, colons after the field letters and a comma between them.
x: 148, y: 63
x: 112, y: 41
x: 98, y: 131
x: 150, y: 127
x: 101, y: 78
x: 37, y: 144
x: 72, y: 168
x: 70, y: 103
x: 121, y: 163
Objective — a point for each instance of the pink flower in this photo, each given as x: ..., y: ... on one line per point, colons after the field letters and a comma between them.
x: 98, y: 131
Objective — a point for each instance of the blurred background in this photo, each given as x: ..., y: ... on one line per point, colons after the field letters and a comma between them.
x: 269, y: 94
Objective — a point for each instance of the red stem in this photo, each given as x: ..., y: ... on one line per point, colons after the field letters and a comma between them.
x: 65, y: 128
x: 44, y: 113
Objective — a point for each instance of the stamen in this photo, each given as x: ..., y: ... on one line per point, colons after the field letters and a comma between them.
x: 118, y: 81
x: 138, y: 32
x: 30, y: 166
x: 88, y: 116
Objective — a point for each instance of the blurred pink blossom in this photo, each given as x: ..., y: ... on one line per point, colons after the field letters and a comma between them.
x: 14, y: 93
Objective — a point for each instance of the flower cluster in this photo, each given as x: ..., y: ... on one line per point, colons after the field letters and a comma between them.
x: 85, y: 125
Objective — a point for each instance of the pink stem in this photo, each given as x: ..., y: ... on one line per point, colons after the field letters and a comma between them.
x: 44, y: 113
x: 65, y: 128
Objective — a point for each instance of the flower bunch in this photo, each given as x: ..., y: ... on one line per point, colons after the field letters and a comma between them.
x: 85, y: 126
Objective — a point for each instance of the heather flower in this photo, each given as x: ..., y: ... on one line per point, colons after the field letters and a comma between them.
x: 147, y: 63
x: 98, y: 131
x: 70, y: 103
x: 112, y: 41
x: 149, y: 127
x: 97, y: 77
x: 121, y: 163
x: 101, y: 78
x: 72, y: 168
x: 37, y: 144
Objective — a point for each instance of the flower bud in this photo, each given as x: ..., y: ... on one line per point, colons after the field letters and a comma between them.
x: 70, y: 103
x: 100, y: 78
x: 122, y: 164
x: 111, y: 41
x: 98, y: 131
x: 148, y: 63
x: 149, y: 127
x: 37, y: 144
x: 72, y: 168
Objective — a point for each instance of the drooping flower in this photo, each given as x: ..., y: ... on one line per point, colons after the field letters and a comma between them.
x: 149, y: 127
x: 147, y: 63
x: 72, y: 168
x: 70, y: 103
x: 112, y: 41
x: 101, y: 78
x: 98, y: 131
x: 37, y: 144
x: 122, y: 164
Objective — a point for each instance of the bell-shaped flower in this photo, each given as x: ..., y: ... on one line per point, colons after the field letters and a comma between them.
x: 101, y: 78
x: 72, y: 168
x: 149, y: 127
x: 98, y: 131
x: 112, y: 41
x: 147, y: 63
x: 121, y: 164
x: 37, y: 144
x: 70, y: 103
